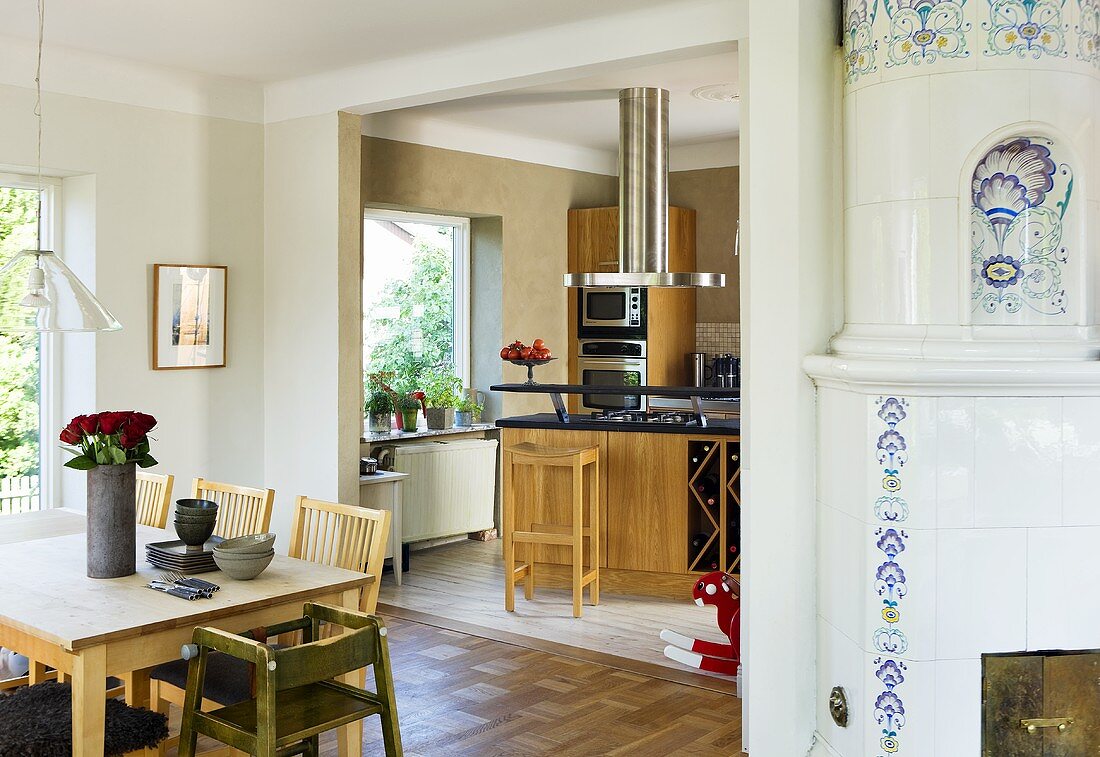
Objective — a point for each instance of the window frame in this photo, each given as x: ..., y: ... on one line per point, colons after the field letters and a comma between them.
x: 462, y: 275
x: 49, y: 347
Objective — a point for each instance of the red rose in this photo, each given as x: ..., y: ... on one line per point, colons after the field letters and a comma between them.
x: 88, y: 423
x: 110, y: 423
x: 69, y: 436
x: 142, y: 422
x: 131, y: 437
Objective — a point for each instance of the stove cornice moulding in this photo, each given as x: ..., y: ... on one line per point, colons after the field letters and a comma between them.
x: 978, y: 343
x: 955, y: 378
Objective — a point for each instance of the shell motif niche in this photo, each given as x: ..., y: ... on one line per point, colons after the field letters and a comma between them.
x: 1026, y: 251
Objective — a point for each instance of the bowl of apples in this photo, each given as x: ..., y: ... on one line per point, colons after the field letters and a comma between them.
x: 518, y: 353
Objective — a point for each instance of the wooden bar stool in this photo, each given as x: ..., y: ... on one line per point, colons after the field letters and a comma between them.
x: 572, y: 535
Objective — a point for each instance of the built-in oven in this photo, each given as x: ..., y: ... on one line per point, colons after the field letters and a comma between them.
x: 615, y: 363
x: 618, y: 313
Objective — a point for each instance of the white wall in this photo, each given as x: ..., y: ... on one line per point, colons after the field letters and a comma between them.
x: 789, y: 296
x: 312, y: 285
x: 157, y: 187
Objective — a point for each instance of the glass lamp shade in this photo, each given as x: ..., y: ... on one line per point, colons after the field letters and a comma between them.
x: 38, y: 292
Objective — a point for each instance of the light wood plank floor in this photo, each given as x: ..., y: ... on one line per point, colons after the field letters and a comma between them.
x: 464, y: 696
x: 464, y: 582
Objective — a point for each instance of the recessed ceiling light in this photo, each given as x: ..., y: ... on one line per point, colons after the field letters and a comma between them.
x: 719, y: 93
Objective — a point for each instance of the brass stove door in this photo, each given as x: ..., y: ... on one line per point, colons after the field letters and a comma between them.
x: 1071, y: 689
x: 1041, y: 706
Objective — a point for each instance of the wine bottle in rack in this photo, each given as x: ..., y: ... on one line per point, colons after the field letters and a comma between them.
x: 707, y: 486
x: 697, y: 542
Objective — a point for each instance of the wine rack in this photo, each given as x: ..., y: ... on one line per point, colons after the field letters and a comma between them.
x: 714, y: 505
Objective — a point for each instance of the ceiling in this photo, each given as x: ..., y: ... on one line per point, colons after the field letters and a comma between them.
x: 271, y: 40
x: 584, y: 112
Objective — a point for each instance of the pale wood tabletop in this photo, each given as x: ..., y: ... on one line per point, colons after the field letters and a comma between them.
x: 89, y: 628
x: 40, y: 524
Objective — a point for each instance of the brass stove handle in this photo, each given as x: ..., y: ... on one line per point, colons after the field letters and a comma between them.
x: 1032, y: 725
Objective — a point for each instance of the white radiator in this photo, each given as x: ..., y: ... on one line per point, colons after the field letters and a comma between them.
x: 451, y: 487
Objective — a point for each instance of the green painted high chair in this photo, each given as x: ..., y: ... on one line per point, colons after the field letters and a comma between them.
x: 296, y: 695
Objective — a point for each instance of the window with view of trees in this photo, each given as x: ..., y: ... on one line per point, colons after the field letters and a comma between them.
x: 20, y: 385
x: 415, y: 296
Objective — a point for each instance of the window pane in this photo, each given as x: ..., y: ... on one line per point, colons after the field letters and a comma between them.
x: 408, y: 297
x: 19, y: 365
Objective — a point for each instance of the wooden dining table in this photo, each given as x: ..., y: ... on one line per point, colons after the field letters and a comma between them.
x: 90, y: 628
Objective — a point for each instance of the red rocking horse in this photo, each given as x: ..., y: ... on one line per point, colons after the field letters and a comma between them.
x: 721, y: 590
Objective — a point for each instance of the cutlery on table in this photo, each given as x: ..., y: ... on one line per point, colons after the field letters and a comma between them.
x: 174, y: 590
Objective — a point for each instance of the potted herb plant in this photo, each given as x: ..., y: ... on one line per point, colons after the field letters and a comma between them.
x: 110, y: 446
x: 408, y: 406
x: 441, y: 396
x: 467, y: 412
x: 379, y: 412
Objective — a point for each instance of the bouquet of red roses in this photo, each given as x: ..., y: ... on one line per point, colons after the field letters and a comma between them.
x: 111, y: 438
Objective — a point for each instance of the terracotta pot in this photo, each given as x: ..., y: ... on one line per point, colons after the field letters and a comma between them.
x: 112, y: 521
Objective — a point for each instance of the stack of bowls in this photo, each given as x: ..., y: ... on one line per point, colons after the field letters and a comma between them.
x: 245, y: 557
x: 195, y: 520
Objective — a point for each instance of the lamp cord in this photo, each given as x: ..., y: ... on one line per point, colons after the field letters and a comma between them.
x: 38, y: 109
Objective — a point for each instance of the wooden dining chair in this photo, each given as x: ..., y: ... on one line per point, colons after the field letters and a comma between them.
x: 341, y: 536
x: 242, y: 510
x: 154, y: 498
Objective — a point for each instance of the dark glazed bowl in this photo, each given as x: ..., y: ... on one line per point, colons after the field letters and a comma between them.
x: 196, y: 506
x: 194, y: 534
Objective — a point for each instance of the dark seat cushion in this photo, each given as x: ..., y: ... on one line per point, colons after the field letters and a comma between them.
x: 36, y: 721
x: 227, y: 677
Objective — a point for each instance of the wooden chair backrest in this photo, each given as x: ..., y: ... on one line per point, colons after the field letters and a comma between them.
x: 342, y: 536
x: 154, y: 498
x: 242, y: 510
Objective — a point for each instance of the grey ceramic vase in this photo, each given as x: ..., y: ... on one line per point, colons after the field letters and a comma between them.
x: 112, y: 521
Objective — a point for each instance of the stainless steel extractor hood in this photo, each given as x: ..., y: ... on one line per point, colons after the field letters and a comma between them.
x: 643, y: 200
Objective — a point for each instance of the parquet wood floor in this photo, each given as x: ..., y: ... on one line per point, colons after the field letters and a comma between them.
x: 463, y: 696
x: 464, y: 582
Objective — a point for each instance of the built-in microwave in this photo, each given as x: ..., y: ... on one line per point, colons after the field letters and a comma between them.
x: 614, y: 312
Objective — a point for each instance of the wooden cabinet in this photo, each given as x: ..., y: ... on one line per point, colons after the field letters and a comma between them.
x: 594, y: 248
x: 646, y: 510
x: 594, y: 240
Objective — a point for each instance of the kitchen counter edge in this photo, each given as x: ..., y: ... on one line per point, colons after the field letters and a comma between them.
x: 716, y: 426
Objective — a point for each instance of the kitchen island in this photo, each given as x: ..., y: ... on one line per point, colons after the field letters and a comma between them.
x: 669, y: 493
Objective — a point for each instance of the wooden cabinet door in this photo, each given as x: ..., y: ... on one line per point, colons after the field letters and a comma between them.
x: 594, y: 240
x: 647, y: 502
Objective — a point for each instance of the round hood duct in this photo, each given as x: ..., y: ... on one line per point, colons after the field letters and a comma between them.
x: 643, y: 200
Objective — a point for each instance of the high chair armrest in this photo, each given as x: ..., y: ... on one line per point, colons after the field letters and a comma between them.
x: 236, y: 646
x: 343, y: 617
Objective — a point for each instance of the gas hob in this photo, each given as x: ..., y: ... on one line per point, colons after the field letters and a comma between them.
x: 642, y: 418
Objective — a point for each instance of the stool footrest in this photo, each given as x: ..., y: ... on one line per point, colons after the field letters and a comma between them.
x: 554, y: 528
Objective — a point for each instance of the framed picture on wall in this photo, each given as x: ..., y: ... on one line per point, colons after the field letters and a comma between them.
x: 189, y: 316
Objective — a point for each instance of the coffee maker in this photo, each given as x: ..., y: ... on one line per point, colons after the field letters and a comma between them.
x: 725, y: 371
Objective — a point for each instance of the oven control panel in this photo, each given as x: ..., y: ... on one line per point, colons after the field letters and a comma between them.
x: 612, y: 348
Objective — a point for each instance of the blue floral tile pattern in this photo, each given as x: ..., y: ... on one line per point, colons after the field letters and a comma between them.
x: 859, y: 44
x: 1020, y: 195
x: 1088, y: 31
x: 892, y: 453
x: 1026, y: 28
x: 922, y: 31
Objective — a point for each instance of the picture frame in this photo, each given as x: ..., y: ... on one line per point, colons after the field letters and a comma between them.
x: 190, y: 309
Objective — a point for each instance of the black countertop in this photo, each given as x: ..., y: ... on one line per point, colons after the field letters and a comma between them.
x: 714, y: 427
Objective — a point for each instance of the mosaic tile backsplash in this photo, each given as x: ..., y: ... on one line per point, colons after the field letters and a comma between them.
x: 718, y: 338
